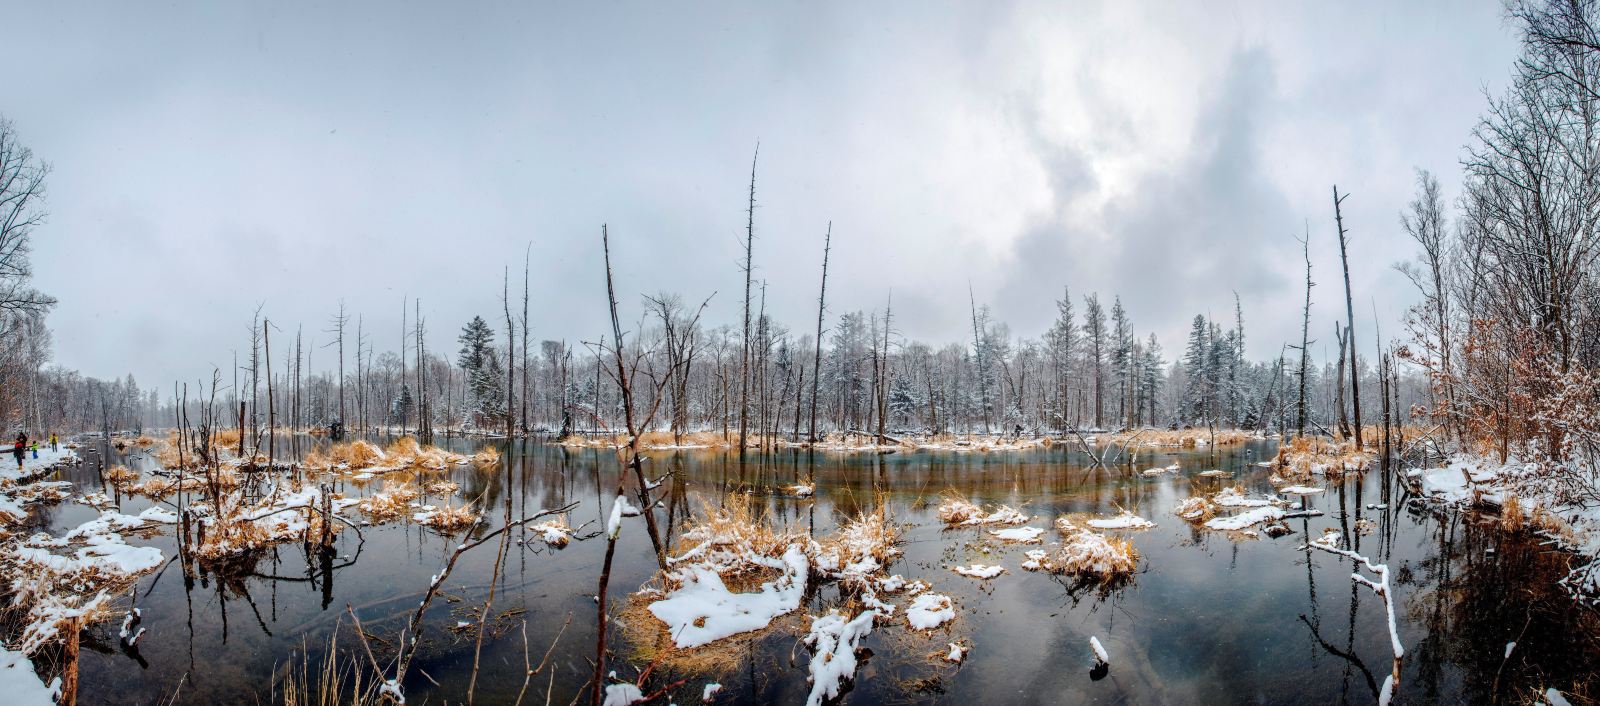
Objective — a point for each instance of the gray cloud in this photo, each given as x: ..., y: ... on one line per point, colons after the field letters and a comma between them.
x: 209, y: 159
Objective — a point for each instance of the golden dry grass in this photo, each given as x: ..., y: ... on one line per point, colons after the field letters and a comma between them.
x: 1196, y: 509
x: 155, y: 488
x: 1304, y: 456
x: 121, y: 476
x: 486, y: 457
x: 392, y: 502
x: 1511, y: 515
x: 354, y: 455
x: 1090, y: 555
x: 448, y: 518
x: 955, y: 509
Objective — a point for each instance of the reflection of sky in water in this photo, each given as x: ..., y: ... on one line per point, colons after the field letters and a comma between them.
x: 1208, y: 619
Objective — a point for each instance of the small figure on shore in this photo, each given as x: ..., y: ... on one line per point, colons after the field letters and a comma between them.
x: 34, y: 447
x: 19, y: 448
x: 54, y: 441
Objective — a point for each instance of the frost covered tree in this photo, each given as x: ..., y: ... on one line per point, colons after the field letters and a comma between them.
x: 482, y: 370
x: 1122, y: 359
x: 1062, y: 344
x: 1094, y: 334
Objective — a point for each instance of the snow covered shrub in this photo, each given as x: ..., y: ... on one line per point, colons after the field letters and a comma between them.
x: 390, y: 503
x: 447, y: 518
x: 1088, y: 554
x: 1304, y: 456
x: 955, y: 510
x: 1195, y: 509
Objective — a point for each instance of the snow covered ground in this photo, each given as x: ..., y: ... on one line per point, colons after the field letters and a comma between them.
x: 1566, y: 518
x: 33, y: 467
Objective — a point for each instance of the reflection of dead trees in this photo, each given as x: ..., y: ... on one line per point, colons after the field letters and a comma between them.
x: 1384, y: 590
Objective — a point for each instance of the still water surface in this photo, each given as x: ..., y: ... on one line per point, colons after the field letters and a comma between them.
x: 1208, y: 619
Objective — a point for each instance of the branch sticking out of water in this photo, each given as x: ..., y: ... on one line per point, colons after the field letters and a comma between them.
x: 1329, y: 543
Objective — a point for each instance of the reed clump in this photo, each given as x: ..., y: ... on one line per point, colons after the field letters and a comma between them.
x: 1304, y: 456
x: 486, y: 457
x: 390, y: 503
x: 1196, y: 509
x: 121, y: 476
x: 1089, y: 555
x: 448, y: 518
x: 354, y: 455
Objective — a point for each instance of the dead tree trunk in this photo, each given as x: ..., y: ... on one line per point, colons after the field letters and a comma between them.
x: 816, y: 365
x: 1305, y: 341
x: 1350, y: 313
x: 1339, y: 332
x: 744, y: 357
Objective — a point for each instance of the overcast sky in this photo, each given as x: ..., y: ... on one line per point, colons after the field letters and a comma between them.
x: 212, y: 157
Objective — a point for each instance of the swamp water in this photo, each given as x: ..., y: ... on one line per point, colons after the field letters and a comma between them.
x: 1209, y: 617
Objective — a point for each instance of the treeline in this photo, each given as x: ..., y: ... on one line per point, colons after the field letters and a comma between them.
x: 1509, y: 326
x: 1088, y: 370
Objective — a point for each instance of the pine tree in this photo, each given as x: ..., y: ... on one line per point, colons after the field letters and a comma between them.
x: 1063, y: 343
x: 481, y: 366
x: 1196, y: 364
x: 1150, y: 380
x: 400, y: 408
x: 1094, y: 331
x: 1122, y: 360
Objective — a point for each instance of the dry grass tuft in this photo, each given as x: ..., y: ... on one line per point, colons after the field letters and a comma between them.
x: 1304, y: 456
x: 156, y: 488
x: 1090, y: 555
x: 354, y: 455
x: 956, y: 510
x: 486, y: 457
x: 1196, y: 509
x: 121, y: 476
x: 1511, y: 515
x: 389, y: 504
x: 446, y: 519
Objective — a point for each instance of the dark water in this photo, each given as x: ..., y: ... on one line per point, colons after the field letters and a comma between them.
x: 1207, y: 620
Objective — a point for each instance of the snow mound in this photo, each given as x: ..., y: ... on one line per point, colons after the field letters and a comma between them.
x: 703, y: 610
x: 930, y: 610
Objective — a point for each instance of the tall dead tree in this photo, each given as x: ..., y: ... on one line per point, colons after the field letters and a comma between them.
x: 884, y: 374
x: 526, y: 359
x: 625, y: 373
x: 339, y: 322
x: 816, y: 365
x: 1305, y: 340
x: 744, y: 357
x: 1350, y: 313
x: 1339, y: 332
x: 511, y: 356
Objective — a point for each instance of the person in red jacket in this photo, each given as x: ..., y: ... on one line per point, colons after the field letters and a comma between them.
x: 20, y: 448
